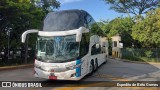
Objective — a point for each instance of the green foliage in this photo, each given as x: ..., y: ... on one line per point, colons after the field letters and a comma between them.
x: 149, y: 53
x: 47, y: 5
x: 138, y: 31
x: 97, y: 30
x: 121, y: 26
x: 21, y: 15
x: 147, y: 31
x: 143, y: 54
x: 136, y: 7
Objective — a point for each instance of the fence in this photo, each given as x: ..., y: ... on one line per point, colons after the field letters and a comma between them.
x: 141, y: 54
x: 16, y: 57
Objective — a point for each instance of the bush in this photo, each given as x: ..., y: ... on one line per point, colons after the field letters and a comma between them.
x: 148, y: 53
x: 143, y: 54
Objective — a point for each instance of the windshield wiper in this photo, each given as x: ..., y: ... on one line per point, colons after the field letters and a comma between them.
x: 60, y: 56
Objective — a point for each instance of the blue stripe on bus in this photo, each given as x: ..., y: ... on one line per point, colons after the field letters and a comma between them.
x: 78, y: 69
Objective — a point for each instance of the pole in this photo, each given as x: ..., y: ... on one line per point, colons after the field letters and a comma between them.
x: 8, y: 32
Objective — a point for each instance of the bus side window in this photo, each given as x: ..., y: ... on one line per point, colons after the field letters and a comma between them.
x: 84, y: 44
x: 95, y: 50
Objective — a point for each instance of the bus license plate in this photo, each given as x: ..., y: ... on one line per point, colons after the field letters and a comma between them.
x: 53, y: 77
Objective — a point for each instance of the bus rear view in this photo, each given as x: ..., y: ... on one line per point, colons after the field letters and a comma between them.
x: 65, y: 46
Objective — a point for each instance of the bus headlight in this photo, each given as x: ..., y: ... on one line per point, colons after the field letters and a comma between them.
x: 70, y: 67
x: 73, y: 67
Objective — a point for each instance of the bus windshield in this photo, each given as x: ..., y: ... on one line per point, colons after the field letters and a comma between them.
x: 57, y: 49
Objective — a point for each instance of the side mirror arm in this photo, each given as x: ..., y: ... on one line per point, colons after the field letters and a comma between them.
x: 23, y: 37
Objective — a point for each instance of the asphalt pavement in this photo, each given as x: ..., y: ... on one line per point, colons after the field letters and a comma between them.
x: 113, y: 70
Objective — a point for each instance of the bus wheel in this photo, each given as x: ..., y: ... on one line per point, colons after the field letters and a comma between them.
x: 96, y: 64
x: 91, y: 68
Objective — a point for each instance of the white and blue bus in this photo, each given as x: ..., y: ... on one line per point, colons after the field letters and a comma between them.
x: 70, y: 46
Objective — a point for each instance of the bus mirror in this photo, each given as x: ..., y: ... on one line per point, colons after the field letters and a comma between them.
x: 78, y: 36
x: 79, y: 33
x: 27, y: 32
x: 97, y: 46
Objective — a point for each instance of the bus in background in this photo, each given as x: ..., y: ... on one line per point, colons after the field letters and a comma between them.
x: 70, y: 46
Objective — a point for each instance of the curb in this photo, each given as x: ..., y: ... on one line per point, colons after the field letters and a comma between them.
x: 138, y: 62
x: 144, y: 75
x: 15, y: 67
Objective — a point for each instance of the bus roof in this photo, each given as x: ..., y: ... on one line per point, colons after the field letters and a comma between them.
x: 64, y: 20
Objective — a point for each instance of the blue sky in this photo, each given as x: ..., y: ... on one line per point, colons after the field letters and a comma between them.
x: 97, y: 8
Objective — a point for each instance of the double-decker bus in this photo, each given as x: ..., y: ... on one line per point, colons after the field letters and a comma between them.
x: 70, y: 46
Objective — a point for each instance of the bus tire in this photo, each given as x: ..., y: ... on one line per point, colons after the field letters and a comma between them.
x: 96, y: 64
x: 91, y: 68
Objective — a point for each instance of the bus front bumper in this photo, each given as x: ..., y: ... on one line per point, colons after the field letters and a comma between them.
x: 66, y: 75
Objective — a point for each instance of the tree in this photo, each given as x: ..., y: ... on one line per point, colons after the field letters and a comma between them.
x: 19, y: 15
x: 147, y: 31
x: 121, y: 26
x: 97, y: 30
x: 136, y: 7
x: 47, y: 5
